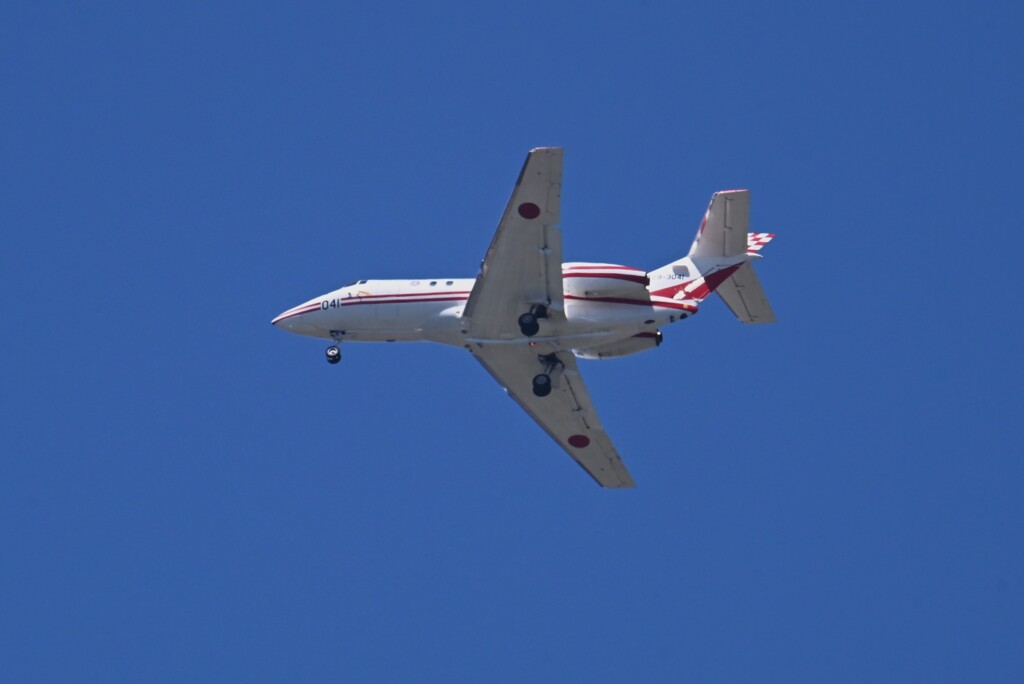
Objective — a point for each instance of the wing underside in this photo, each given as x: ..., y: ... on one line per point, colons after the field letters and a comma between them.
x: 566, y: 414
x: 523, y: 265
x: 523, y: 269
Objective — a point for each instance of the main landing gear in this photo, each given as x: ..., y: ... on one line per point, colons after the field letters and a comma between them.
x: 528, y: 322
x: 542, y: 381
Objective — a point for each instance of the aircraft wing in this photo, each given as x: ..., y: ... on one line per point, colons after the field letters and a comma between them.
x: 523, y: 265
x: 567, y: 414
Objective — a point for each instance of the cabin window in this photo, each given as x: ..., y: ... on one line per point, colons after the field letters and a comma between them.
x: 433, y: 282
x: 449, y: 282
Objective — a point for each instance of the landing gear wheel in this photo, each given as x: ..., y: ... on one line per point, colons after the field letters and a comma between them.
x: 333, y: 354
x: 542, y: 385
x: 528, y: 324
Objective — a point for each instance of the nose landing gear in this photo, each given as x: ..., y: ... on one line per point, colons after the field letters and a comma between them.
x: 334, y: 351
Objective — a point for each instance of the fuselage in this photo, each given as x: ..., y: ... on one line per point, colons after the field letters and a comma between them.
x: 603, y: 304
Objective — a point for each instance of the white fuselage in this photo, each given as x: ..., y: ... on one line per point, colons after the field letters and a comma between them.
x: 431, y: 310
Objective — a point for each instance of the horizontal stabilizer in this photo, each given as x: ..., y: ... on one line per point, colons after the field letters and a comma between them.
x: 742, y: 293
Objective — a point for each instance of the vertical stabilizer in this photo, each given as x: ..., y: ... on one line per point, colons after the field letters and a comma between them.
x: 723, y: 232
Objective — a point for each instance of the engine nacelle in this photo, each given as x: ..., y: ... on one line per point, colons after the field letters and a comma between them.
x: 600, y: 281
x: 631, y: 345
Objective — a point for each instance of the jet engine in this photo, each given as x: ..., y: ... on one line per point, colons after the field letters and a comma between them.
x: 631, y: 345
x: 598, y: 281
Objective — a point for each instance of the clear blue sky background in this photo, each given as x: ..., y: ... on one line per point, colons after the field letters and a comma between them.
x: 188, y: 494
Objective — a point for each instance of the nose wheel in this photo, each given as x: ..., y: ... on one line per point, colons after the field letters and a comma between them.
x: 334, y: 351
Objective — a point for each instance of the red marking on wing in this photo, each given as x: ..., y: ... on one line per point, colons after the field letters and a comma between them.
x: 579, y: 441
x: 529, y: 210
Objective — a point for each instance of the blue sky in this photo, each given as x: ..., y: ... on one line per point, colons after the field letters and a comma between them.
x: 188, y: 494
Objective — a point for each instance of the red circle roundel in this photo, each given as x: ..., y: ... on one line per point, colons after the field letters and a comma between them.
x: 529, y: 210
x: 579, y: 441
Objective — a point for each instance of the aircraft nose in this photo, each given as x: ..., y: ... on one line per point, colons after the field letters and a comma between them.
x: 280, y: 319
x: 292, y: 319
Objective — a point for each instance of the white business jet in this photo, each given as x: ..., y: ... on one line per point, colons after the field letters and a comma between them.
x: 527, y: 316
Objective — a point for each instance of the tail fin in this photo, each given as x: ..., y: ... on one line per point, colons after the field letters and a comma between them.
x: 723, y: 232
x: 720, y: 260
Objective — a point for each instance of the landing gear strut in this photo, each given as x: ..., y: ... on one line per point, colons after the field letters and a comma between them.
x: 334, y: 351
x: 542, y: 381
x: 528, y: 324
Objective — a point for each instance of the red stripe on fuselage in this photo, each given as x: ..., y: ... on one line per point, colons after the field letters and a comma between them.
x: 682, y: 306
x: 601, y: 267
x: 411, y: 294
x: 309, y: 308
x: 703, y: 289
x: 674, y: 304
x: 612, y: 276
x: 384, y: 299
x: 609, y: 300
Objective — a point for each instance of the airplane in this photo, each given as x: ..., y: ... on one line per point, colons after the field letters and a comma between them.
x: 527, y: 316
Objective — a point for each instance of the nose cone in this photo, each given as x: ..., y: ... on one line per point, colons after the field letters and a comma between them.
x: 296, y: 320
